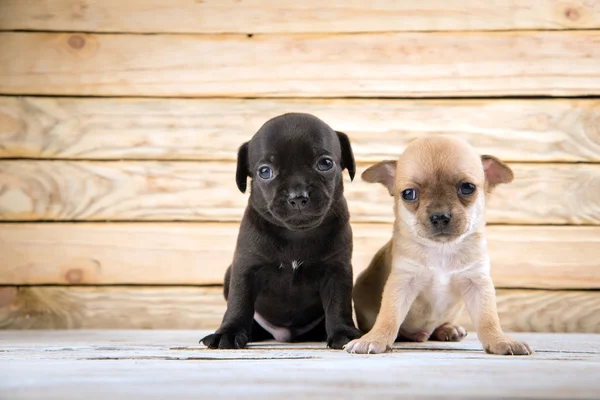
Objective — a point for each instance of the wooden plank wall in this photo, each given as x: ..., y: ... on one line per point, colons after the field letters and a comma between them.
x: 120, y: 120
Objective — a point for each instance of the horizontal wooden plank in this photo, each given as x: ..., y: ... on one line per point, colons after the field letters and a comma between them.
x: 105, y: 307
x: 22, y: 344
x: 514, y: 130
x: 382, y: 65
x: 151, y: 364
x: 184, y: 254
x: 39, y: 307
x: 206, y: 191
x: 263, y: 16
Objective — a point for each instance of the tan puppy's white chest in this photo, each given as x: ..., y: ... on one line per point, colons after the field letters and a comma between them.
x: 439, y: 300
x: 442, y: 295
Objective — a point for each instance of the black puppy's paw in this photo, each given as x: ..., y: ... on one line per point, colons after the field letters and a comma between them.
x: 226, y: 340
x: 342, y: 336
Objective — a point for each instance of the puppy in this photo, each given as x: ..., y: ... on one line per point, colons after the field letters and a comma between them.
x: 291, y: 276
x: 438, y: 252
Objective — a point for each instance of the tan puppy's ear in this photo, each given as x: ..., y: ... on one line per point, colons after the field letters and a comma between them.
x: 383, y: 172
x: 496, y: 171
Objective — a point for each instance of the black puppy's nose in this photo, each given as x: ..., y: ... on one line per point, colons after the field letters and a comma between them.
x: 298, y: 200
x: 440, y: 219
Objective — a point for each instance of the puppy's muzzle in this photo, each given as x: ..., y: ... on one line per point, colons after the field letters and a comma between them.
x: 298, y: 200
x: 440, y: 220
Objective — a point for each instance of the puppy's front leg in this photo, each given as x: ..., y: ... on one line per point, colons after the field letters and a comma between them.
x: 336, y: 296
x: 234, y: 332
x: 400, y: 291
x: 480, y: 299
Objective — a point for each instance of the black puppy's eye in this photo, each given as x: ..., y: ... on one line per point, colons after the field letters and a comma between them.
x: 410, y: 195
x: 466, y: 189
x: 324, y: 164
x: 265, y: 172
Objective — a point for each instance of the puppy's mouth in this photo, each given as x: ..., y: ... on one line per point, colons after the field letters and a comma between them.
x: 442, y: 236
x: 302, y: 222
x: 301, y: 219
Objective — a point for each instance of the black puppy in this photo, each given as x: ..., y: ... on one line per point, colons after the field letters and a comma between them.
x: 291, y: 277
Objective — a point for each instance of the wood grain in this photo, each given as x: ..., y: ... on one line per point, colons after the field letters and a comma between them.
x: 262, y: 16
x: 121, y: 307
x: 150, y: 364
x: 39, y: 307
x: 189, y: 129
x: 192, y: 254
x: 21, y: 344
x: 363, y: 65
x: 206, y: 191
x: 547, y: 311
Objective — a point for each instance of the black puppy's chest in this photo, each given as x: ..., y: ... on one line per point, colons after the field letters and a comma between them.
x: 285, y: 278
x: 289, y: 292
x: 297, y: 264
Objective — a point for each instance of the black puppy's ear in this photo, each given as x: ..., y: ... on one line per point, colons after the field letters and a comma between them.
x: 347, y: 154
x: 384, y: 173
x: 242, y: 172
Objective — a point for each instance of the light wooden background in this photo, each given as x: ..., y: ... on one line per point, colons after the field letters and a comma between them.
x: 120, y: 120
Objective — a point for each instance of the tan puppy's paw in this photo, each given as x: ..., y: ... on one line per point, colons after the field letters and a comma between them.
x: 449, y: 333
x: 365, y: 345
x: 508, y: 347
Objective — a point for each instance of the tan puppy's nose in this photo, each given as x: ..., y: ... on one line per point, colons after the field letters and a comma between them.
x: 440, y: 220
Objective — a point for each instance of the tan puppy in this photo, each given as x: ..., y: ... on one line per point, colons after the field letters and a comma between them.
x: 438, y: 253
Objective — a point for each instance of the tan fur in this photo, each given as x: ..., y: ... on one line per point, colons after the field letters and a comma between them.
x: 417, y: 282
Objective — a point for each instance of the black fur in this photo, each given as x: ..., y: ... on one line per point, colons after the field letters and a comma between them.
x: 347, y: 154
x: 274, y: 233
x: 241, y: 174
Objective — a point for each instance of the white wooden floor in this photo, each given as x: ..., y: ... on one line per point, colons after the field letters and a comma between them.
x: 171, y: 365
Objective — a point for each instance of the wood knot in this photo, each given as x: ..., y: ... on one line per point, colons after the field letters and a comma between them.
x: 8, y: 295
x: 9, y: 125
x: 77, y: 42
x: 74, y: 275
x: 572, y: 14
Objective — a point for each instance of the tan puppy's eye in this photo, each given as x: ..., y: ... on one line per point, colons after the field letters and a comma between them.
x: 466, y: 189
x: 410, y: 195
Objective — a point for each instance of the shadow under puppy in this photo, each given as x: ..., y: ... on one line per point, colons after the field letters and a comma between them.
x: 438, y: 253
x: 291, y: 276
